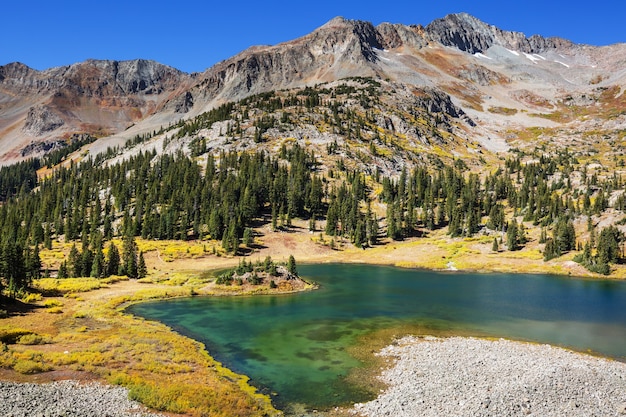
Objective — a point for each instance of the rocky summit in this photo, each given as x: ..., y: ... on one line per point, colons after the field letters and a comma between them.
x: 501, y: 82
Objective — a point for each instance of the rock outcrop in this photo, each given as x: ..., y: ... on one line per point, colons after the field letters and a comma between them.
x: 40, y: 120
x: 469, y: 34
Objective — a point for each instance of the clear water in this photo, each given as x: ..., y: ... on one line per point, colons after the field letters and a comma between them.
x: 295, y: 346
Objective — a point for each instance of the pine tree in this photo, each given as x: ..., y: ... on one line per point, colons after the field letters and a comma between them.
x: 608, y: 245
x: 291, y: 265
x: 521, y: 234
x: 86, y: 262
x: 142, y: 270
x: 129, y: 256
x: 267, y: 263
x: 372, y: 230
x: 247, y: 237
x: 63, y: 273
x: 564, y: 235
x: 495, y: 247
x: 551, y: 250
x: 512, y: 235
x: 75, y: 264
x: 113, y: 260
x: 35, y: 264
x: 47, y: 239
x: 96, y: 267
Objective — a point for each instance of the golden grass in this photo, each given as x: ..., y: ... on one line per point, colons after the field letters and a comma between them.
x: 68, y: 285
x: 162, y: 369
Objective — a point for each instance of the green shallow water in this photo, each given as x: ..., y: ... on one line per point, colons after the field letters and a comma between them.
x: 296, y: 346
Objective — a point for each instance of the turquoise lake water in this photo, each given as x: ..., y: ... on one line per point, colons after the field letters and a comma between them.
x: 295, y: 346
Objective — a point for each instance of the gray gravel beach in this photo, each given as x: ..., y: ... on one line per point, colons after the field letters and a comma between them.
x: 475, y: 377
x: 67, y: 399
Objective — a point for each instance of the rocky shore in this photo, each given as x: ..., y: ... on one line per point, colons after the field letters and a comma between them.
x: 67, y: 399
x: 475, y: 377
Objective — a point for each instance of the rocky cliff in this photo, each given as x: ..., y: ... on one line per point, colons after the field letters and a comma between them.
x: 469, y: 34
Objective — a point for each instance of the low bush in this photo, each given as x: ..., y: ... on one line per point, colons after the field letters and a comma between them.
x: 30, y: 367
x: 32, y: 297
x: 33, y: 339
x: 10, y: 336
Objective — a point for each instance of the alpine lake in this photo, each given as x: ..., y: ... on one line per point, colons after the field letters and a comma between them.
x: 300, y: 348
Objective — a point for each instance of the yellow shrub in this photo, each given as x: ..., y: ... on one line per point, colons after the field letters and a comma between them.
x: 113, y: 279
x: 12, y: 335
x: 33, y: 339
x: 52, y: 303
x: 67, y: 285
x: 32, y: 297
x: 30, y: 367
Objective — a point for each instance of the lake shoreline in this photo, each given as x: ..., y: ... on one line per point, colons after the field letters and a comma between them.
x: 423, y: 375
x: 430, y: 376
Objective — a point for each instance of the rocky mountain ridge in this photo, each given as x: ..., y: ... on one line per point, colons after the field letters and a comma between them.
x: 480, y: 67
x: 469, y: 34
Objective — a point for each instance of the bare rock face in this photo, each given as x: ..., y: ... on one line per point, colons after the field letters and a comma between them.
x: 35, y: 148
x: 105, y: 78
x: 394, y: 36
x: 185, y: 103
x: 41, y: 120
x: 469, y: 34
x: 15, y: 73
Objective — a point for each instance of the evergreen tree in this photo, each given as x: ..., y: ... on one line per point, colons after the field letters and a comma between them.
x: 564, y: 235
x: 551, y: 250
x: 142, y: 269
x: 247, y: 236
x: 63, y: 272
x: 12, y: 267
x: 609, y: 245
x: 129, y: 256
x: 291, y: 265
x: 75, y: 262
x: 521, y: 234
x: 359, y: 234
x: 512, y: 235
x: 86, y: 263
x: 495, y: 247
x: 372, y: 230
x: 113, y: 260
x: 97, y: 266
x: 35, y: 264
x: 47, y: 239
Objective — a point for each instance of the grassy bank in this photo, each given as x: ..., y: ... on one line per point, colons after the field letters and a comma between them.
x: 78, y: 327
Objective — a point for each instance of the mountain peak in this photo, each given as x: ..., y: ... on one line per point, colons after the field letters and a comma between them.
x: 470, y: 34
x: 335, y: 21
x: 14, y: 70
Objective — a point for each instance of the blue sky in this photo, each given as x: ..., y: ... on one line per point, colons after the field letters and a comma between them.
x: 193, y: 35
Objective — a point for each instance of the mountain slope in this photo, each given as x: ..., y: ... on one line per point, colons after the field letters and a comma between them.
x: 504, y: 81
x: 93, y: 97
